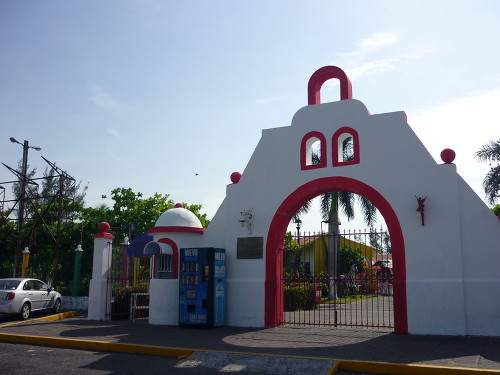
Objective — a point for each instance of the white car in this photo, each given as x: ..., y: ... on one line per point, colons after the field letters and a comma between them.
x: 24, y: 295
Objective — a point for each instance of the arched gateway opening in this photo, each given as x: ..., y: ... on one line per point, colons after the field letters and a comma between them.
x: 274, y: 287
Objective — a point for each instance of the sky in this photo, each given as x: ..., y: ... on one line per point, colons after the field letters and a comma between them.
x: 172, y: 96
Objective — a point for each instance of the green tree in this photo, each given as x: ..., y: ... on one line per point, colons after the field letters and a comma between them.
x: 132, y: 214
x: 490, y: 153
x: 61, y: 197
x: 50, y: 207
x: 290, y: 243
x: 292, y: 249
x: 349, y: 257
x: 380, y: 240
x: 8, y: 234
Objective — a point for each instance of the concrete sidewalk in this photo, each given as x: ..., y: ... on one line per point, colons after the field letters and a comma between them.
x: 347, y: 346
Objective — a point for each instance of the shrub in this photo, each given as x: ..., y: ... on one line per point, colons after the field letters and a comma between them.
x: 124, y: 293
x: 120, y: 307
x: 63, y: 288
x: 299, y: 297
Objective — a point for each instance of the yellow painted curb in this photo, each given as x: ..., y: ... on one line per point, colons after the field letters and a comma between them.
x: 49, y: 318
x: 339, y: 364
x: 410, y: 369
x: 104, y: 346
x: 334, y: 369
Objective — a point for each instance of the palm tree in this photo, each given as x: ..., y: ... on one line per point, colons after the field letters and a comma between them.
x: 490, y: 153
x: 330, y: 204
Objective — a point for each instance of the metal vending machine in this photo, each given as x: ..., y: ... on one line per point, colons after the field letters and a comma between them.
x: 202, y: 284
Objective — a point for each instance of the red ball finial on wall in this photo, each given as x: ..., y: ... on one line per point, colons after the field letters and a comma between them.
x: 448, y: 155
x: 235, y: 177
x: 104, y: 227
x: 179, y: 205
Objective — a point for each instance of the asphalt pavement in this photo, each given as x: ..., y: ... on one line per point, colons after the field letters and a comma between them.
x: 279, y: 350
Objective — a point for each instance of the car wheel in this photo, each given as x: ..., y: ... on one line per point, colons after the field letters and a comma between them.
x: 57, y: 306
x: 25, y: 311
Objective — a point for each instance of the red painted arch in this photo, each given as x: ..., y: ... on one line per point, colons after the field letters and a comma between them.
x: 175, y: 256
x: 322, y: 75
x: 335, y: 145
x: 277, y: 229
x: 303, y: 151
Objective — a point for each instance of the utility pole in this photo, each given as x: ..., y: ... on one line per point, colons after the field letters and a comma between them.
x: 63, y: 177
x: 57, y: 247
x: 22, y: 198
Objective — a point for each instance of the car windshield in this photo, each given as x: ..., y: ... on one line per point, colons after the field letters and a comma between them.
x: 9, y: 284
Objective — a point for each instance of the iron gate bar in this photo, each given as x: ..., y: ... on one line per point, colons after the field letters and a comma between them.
x: 362, y: 301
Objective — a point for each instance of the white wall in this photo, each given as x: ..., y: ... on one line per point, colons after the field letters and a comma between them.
x: 164, y: 302
x: 451, y: 262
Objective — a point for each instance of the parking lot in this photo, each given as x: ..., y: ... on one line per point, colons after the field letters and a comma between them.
x: 102, y: 345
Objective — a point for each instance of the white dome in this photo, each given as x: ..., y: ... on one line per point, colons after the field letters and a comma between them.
x: 178, y: 217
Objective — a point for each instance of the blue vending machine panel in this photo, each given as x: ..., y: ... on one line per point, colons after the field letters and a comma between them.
x: 219, y: 285
x: 202, y: 285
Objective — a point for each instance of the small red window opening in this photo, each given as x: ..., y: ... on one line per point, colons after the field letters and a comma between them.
x: 313, y: 151
x: 174, y: 260
x: 345, y: 147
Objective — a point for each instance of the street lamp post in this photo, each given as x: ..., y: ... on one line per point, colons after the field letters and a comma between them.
x: 22, y: 197
x: 298, y: 224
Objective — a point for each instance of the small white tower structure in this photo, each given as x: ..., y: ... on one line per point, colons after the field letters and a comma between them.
x: 175, y: 226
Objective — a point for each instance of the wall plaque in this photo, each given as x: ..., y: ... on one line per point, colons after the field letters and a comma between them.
x: 250, y: 248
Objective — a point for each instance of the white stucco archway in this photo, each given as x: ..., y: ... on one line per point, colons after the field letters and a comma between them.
x: 443, y: 270
x: 279, y: 223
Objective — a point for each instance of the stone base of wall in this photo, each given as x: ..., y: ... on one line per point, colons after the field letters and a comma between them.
x: 75, y: 303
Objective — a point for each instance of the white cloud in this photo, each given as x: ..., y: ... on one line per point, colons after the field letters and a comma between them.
x: 377, y: 40
x: 367, y: 58
x: 371, y: 67
x: 102, y: 99
x: 364, y: 68
x: 263, y: 101
x: 371, y: 43
x: 115, y: 134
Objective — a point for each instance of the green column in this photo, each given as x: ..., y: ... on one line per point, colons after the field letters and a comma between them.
x: 75, y: 289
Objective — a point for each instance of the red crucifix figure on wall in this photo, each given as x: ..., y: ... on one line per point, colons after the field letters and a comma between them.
x: 421, y: 207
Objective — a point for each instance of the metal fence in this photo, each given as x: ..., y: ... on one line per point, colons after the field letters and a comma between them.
x: 339, y: 280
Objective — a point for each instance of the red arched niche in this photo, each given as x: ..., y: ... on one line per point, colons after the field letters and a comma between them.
x: 277, y: 229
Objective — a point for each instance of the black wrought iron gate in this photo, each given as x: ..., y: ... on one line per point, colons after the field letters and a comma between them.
x: 128, y: 285
x: 339, y: 280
